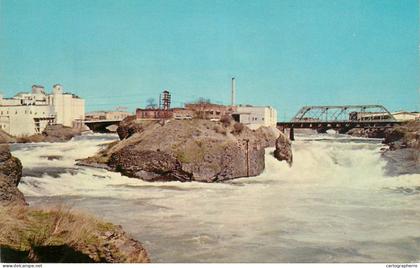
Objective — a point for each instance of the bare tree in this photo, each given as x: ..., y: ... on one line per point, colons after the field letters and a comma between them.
x: 151, y: 103
x: 202, y: 100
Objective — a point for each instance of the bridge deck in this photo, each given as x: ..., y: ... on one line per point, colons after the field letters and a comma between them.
x: 336, y: 124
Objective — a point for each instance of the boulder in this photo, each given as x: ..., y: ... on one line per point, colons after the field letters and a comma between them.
x: 59, y: 133
x: 10, y: 175
x: 283, y: 149
x: 128, y: 127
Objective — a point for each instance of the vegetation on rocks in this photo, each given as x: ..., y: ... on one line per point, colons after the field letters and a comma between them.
x: 60, y: 235
x: 55, y: 235
x: 188, y: 150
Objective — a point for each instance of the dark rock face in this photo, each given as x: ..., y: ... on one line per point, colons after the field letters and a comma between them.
x: 367, y: 133
x: 283, y: 149
x: 127, y: 127
x: 10, y: 174
x: 9, y: 193
x: 148, y: 165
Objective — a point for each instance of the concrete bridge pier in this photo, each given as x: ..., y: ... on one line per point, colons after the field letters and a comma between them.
x: 292, y: 134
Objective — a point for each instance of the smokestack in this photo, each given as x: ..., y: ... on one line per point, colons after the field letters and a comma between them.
x: 233, y: 100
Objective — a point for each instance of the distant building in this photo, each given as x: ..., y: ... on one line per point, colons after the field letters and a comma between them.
x: 255, y: 116
x: 252, y: 116
x: 29, y: 113
x: 107, y: 115
x: 153, y: 114
x: 209, y: 110
x: 182, y: 113
x: 399, y: 116
x: 406, y: 116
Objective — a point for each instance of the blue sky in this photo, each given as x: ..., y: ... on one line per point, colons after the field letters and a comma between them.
x: 284, y: 53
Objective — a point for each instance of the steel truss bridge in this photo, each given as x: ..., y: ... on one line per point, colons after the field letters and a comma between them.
x: 341, y: 118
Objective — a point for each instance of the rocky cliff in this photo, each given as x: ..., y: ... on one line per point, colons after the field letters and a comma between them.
x: 189, y: 150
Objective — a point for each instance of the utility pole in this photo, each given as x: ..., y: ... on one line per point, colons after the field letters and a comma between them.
x: 247, y: 157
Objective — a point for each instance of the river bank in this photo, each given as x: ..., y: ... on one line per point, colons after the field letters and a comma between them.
x: 55, y: 234
x: 403, y: 151
x: 52, y: 133
x: 335, y: 204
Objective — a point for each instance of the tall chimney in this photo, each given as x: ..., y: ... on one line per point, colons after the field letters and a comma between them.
x: 233, y: 100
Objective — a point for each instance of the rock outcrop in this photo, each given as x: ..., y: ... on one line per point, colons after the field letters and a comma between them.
x: 59, y: 235
x: 52, y: 133
x: 283, y: 149
x: 404, y: 136
x: 6, y: 138
x: 376, y: 133
x: 189, y: 150
x: 129, y: 126
x: 10, y: 175
x: 403, y: 155
x: 148, y: 165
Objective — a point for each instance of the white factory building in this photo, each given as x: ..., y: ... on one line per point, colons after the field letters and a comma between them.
x: 255, y: 116
x: 406, y: 116
x: 30, y: 113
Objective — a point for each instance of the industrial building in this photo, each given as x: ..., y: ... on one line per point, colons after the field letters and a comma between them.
x: 401, y: 116
x: 119, y: 114
x: 29, y: 113
x: 251, y: 116
x: 255, y: 116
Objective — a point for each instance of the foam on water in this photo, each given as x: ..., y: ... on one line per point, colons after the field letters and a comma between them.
x: 333, y: 204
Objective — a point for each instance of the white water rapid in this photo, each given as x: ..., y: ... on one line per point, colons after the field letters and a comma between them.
x: 333, y: 205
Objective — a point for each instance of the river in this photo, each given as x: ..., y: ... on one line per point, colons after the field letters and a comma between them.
x: 335, y: 204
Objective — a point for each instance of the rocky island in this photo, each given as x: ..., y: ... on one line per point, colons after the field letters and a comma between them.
x: 52, y: 133
x: 403, y: 155
x: 58, y: 234
x: 190, y: 150
x: 403, y: 152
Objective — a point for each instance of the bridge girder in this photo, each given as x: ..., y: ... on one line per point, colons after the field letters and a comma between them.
x: 345, y: 113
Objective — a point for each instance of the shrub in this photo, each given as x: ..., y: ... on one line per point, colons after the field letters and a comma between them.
x: 226, y: 120
x: 238, y: 127
x: 219, y: 129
